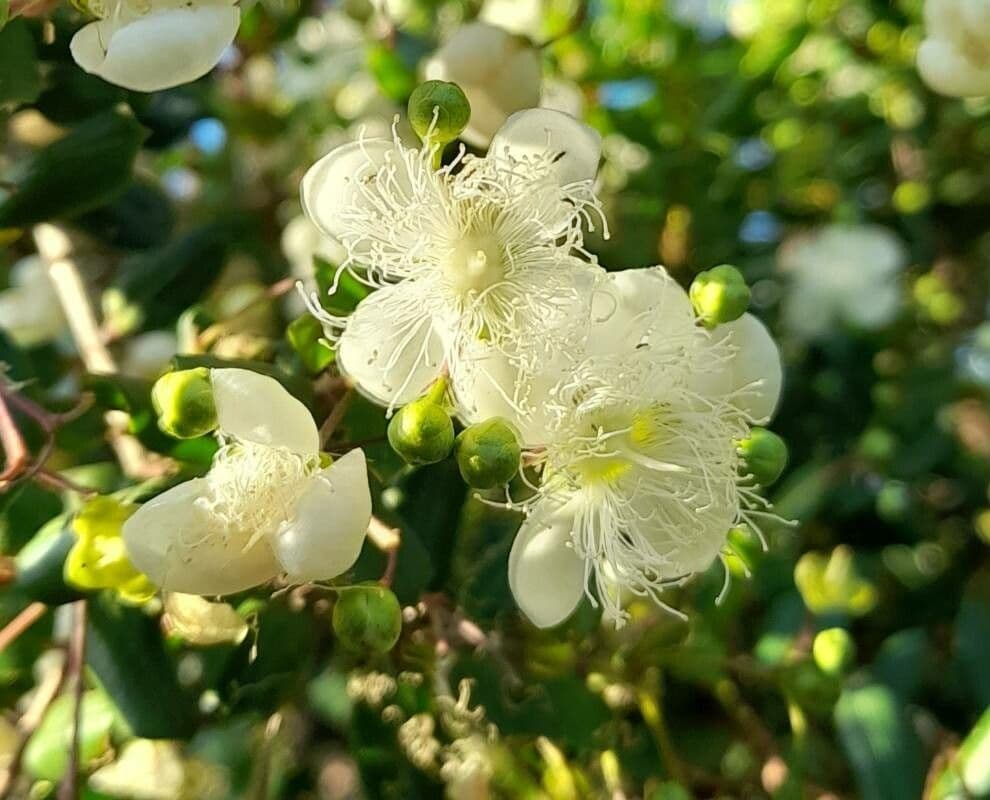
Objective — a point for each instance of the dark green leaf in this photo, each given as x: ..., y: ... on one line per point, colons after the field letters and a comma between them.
x: 84, y: 170
x: 880, y: 744
x: 126, y: 652
x: 20, y: 79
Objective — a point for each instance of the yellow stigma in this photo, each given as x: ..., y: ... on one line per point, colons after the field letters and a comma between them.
x: 475, y: 263
x: 645, y: 426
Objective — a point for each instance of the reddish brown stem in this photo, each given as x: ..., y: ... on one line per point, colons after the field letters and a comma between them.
x: 69, y: 790
x: 13, y: 629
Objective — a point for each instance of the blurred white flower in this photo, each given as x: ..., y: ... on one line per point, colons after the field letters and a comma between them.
x: 499, y: 73
x: 149, y: 45
x: 519, y: 17
x: 266, y: 507
x: 483, y: 250
x: 641, y: 478
x: 148, y: 354
x: 954, y: 58
x: 841, y: 274
x: 30, y: 312
x: 327, y: 54
x: 201, y: 622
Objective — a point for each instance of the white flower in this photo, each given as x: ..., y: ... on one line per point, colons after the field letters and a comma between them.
x: 483, y: 250
x: 500, y: 74
x: 842, y: 275
x: 149, y: 45
x: 265, y: 507
x: 30, y: 312
x: 641, y: 477
x: 954, y: 58
x: 519, y: 17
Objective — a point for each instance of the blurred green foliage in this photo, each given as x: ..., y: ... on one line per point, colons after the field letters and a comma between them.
x: 727, y: 127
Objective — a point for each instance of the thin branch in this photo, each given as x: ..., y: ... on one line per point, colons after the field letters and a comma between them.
x: 69, y: 790
x: 384, y: 537
x: 15, y: 451
x: 57, y: 249
x: 336, y: 415
x: 13, y: 629
x: 44, y: 696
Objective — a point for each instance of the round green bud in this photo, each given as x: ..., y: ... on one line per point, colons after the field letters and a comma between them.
x: 367, y: 617
x: 447, y: 102
x: 834, y: 651
x: 488, y: 453
x: 719, y: 295
x: 184, y: 403
x: 764, y: 455
x: 422, y: 432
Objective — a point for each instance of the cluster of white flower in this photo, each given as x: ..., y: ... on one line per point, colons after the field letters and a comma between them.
x: 954, y: 58
x: 842, y: 275
x: 631, y: 410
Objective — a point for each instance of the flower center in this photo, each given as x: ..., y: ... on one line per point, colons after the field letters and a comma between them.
x: 253, y: 488
x: 475, y: 262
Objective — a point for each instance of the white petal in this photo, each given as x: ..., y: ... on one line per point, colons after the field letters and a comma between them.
x: 159, y: 50
x: 334, y: 183
x: 521, y: 17
x: 324, y: 538
x: 488, y: 385
x: 755, y: 368
x: 546, y: 576
x: 540, y: 130
x: 390, y: 348
x: 946, y: 69
x: 258, y: 409
x: 499, y: 73
x: 689, y: 548
x: 173, y: 541
x: 976, y: 17
x: 637, y: 303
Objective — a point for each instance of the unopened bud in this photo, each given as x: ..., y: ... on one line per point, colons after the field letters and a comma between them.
x: 422, y: 431
x: 488, y: 453
x: 834, y: 651
x: 444, y: 101
x: 764, y: 455
x: 719, y: 295
x: 367, y: 617
x: 184, y: 403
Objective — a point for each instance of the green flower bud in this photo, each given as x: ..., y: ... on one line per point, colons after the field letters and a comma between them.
x: 488, y: 453
x: 367, y: 617
x: 450, y: 104
x: 719, y: 295
x: 422, y: 431
x: 184, y: 403
x: 834, y: 651
x: 764, y: 455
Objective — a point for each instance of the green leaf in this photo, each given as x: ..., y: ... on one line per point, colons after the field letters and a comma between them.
x: 20, y: 79
x: 152, y: 288
x: 86, y: 169
x: 880, y: 744
x: 126, y: 652
x: 47, y: 754
x: 306, y: 337
x: 968, y: 774
x: 40, y: 564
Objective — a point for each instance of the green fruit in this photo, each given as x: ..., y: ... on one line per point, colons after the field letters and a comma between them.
x: 184, y: 402
x: 719, y: 295
x: 764, y: 455
x: 422, y: 431
x: 450, y: 105
x: 488, y: 454
x: 367, y: 617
